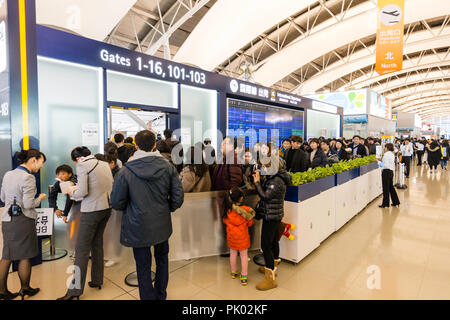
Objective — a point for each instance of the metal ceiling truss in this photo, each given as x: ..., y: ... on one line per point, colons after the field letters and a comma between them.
x: 416, y: 64
x: 413, y: 104
x: 441, y: 110
x: 418, y: 76
x: 420, y: 96
x: 163, y: 27
x: 419, y: 89
x: 426, y: 106
x: 293, y: 28
x: 358, y: 47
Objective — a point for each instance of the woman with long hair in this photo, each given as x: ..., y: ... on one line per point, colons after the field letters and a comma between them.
x: 20, y: 240
x: 195, y: 174
x: 434, y: 155
x: 271, y: 191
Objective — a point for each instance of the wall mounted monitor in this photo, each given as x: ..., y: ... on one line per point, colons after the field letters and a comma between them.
x: 244, y: 118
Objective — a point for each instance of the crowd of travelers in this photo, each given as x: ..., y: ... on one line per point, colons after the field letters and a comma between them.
x: 138, y: 182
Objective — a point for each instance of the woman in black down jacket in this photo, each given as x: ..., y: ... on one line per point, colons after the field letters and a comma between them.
x: 271, y: 191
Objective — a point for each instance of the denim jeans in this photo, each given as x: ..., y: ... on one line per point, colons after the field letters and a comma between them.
x: 143, y: 257
x: 443, y: 163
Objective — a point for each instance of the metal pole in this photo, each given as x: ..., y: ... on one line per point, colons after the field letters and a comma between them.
x: 53, y: 253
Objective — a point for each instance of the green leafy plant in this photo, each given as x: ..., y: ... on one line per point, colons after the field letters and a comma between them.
x: 300, y: 178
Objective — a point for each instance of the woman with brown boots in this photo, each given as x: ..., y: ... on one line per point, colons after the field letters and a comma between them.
x: 271, y: 191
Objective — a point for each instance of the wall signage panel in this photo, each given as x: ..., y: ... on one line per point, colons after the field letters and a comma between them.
x: 356, y: 119
x: 64, y: 46
x: 252, y: 90
x: 69, y: 47
x: 353, y: 102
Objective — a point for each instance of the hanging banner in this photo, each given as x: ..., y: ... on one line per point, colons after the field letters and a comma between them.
x: 390, y: 36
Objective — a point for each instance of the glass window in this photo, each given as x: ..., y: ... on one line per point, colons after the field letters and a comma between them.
x: 70, y: 99
x: 198, y: 115
x: 140, y: 90
x: 321, y: 124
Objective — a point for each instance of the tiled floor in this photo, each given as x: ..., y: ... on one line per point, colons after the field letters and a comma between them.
x: 409, y: 245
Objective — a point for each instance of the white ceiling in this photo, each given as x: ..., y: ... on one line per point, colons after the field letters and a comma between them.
x: 229, y: 25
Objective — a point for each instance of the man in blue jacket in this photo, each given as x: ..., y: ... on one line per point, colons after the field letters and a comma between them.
x: 147, y: 189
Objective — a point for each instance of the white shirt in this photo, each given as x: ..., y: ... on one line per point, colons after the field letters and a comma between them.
x: 388, y: 161
x: 420, y: 146
x: 407, y: 150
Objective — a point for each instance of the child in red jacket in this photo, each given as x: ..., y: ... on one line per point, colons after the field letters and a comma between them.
x: 238, y: 219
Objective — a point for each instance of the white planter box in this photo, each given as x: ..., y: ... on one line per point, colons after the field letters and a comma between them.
x: 302, y: 215
x: 325, y: 218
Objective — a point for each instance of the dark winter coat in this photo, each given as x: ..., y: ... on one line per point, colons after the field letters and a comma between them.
x: 342, y: 154
x: 361, y: 150
x: 434, y: 154
x: 319, y: 160
x: 297, y: 160
x: 271, y: 192
x: 226, y: 176
x: 124, y: 153
x: 147, y: 189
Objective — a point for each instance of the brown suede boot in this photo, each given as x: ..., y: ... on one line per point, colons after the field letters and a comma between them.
x: 276, y: 262
x: 269, y: 281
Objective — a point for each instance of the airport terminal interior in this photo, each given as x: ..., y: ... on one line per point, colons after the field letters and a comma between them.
x: 224, y: 150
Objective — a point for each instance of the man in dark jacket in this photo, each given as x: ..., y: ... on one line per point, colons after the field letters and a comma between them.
x: 229, y: 173
x: 168, y: 133
x: 147, y: 189
x: 296, y: 159
x: 358, y: 149
x: 124, y: 152
x: 372, y: 146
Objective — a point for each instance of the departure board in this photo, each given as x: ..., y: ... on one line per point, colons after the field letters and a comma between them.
x: 257, y: 121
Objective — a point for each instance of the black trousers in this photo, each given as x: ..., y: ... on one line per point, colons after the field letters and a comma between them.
x: 407, y: 162
x: 90, y: 240
x: 387, y: 178
x: 143, y: 257
x: 419, y: 157
x: 269, y: 242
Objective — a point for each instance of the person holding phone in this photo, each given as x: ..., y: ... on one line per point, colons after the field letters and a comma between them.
x: 20, y: 241
x: 270, y: 209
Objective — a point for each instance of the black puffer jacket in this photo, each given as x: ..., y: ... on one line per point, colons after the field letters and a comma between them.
x: 272, y: 192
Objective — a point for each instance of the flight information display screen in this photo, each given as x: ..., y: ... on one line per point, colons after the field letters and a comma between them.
x: 257, y: 121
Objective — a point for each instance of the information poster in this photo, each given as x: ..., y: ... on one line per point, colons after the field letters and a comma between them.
x: 90, y: 134
x: 44, y: 222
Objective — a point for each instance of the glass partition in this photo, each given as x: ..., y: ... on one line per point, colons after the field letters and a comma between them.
x: 321, y: 124
x: 140, y: 90
x: 198, y: 115
x: 70, y: 112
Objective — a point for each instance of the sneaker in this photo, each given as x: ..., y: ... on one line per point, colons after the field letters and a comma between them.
x: 234, y: 275
x: 109, y: 263
x: 244, y: 280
